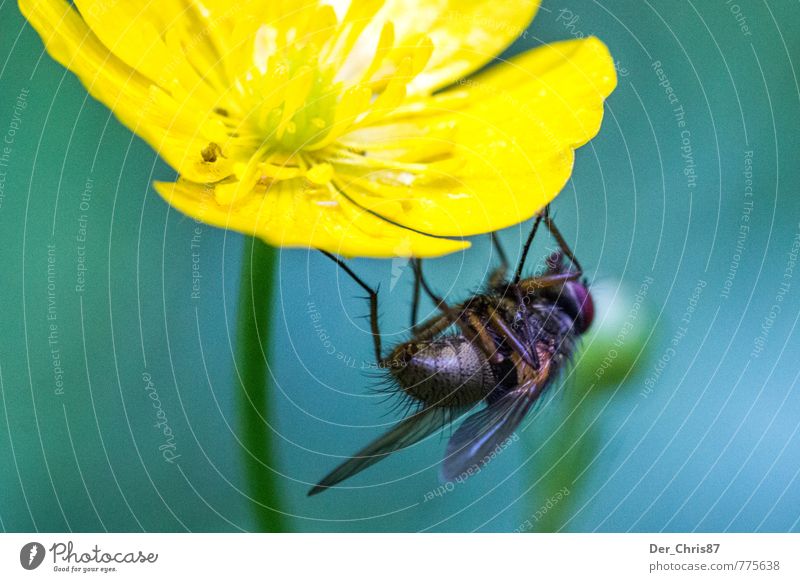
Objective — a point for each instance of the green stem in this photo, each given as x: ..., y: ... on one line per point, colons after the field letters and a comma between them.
x: 255, y: 299
x: 573, y: 449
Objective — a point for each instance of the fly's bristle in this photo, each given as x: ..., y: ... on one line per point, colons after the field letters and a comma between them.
x: 386, y: 385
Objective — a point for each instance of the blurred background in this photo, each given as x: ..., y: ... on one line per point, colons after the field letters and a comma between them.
x: 117, y: 398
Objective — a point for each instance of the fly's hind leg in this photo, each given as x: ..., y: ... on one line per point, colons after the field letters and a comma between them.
x: 472, y: 329
x: 498, y: 276
x: 373, y: 306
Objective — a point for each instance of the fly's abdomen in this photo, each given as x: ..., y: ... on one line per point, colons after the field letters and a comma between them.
x: 448, y: 371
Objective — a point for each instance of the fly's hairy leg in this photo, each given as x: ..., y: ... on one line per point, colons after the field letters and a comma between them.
x: 472, y: 329
x: 528, y: 354
x: 415, y: 294
x: 527, y: 247
x: 498, y: 276
x: 373, y: 306
x: 562, y: 243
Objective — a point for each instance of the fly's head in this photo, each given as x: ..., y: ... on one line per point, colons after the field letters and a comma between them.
x: 574, y: 296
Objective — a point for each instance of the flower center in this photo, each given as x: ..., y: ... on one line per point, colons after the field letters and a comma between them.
x: 301, y: 109
x: 303, y: 89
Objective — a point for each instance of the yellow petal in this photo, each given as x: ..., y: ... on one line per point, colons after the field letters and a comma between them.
x: 290, y: 214
x: 515, y: 141
x: 561, y: 86
x: 466, y: 34
x: 169, y: 126
x: 130, y: 31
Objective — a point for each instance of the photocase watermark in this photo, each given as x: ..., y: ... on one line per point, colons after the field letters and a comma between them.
x: 627, y: 327
x: 677, y: 338
x: 784, y: 287
x: 744, y: 226
x: 81, y: 236
x: 99, y: 9
x: 474, y: 469
x: 31, y: 555
x: 52, y: 323
x: 472, y: 21
x: 570, y: 22
x: 537, y: 515
x: 69, y: 559
x: 168, y: 448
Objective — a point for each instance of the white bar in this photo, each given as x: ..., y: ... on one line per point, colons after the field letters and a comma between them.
x: 405, y: 557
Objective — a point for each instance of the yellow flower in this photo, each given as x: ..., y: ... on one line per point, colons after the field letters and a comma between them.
x: 327, y: 126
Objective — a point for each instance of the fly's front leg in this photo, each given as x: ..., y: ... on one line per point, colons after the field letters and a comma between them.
x: 527, y: 247
x: 415, y: 296
x: 562, y: 243
x: 373, y: 306
x: 529, y: 356
x: 536, y: 283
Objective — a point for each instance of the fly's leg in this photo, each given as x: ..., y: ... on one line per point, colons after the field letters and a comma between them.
x: 475, y: 331
x: 527, y: 247
x: 432, y: 327
x: 528, y: 355
x: 498, y: 276
x: 544, y: 281
x: 500, y: 251
x: 544, y: 216
x: 562, y: 244
x: 484, y: 339
x: 416, y: 292
x: 373, y: 305
x: 440, y: 303
x: 551, y: 279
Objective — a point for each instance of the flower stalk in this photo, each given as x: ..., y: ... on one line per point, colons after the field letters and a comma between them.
x: 252, y: 350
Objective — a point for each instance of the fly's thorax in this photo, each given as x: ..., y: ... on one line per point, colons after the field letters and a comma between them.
x: 447, y: 371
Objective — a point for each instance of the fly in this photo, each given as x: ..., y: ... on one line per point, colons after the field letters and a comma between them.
x: 510, y: 344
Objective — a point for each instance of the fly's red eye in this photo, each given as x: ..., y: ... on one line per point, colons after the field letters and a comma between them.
x: 583, y: 307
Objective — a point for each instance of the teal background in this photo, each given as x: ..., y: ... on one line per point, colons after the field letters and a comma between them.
x: 713, y: 447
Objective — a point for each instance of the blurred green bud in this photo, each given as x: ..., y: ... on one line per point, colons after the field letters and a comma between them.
x: 616, y: 340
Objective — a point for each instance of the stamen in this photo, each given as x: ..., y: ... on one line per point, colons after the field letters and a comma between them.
x: 352, y: 104
x: 393, y: 95
x: 228, y: 194
x: 360, y: 13
x: 385, y: 44
x: 320, y: 174
x: 296, y: 92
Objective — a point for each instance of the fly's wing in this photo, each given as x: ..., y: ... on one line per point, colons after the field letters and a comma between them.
x: 472, y: 445
x: 411, y: 430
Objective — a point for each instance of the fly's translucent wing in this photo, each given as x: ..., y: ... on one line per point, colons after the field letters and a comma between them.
x: 473, y: 444
x: 411, y: 430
